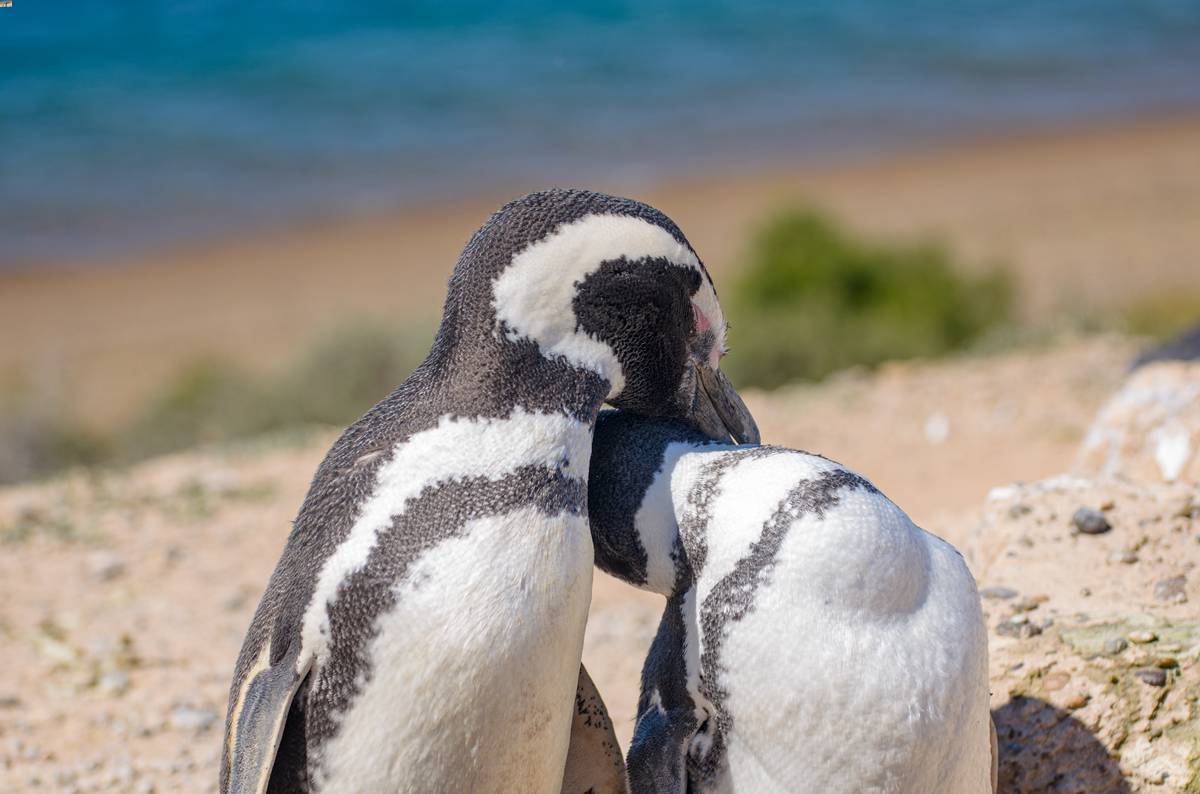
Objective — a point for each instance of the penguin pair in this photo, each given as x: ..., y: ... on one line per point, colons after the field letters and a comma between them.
x: 814, y: 639
x: 422, y: 630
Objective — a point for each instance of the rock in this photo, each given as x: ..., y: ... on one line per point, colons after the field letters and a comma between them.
x: 937, y: 428
x: 1152, y: 676
x: 1077, y: 701
x: 998, y: 592
x: 1025, y: 604
x: 1166, y: 662
x: 1090, y: 521
x: 104, y: 566
x: 1142, y: 636
x: 1019, y: 510
x: 1173, y: 590
x: 1123, y: 556
x: 1114, y: 646
x: 1021, y: 629
x: 188, y: 718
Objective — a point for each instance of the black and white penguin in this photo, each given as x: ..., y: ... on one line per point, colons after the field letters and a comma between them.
x: 814, y: 639
x: 422, y: 630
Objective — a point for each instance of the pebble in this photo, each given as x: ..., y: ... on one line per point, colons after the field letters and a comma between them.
x: 1090, y: 521
x: 1142, y: 636
x: 1019, y: 509
x: 189, y: 718
x: 1115, y: 645
x: 998, y: 592
x: 1077, y: 701
x: 104, y: 566
x: 1173, y: 590
x: 1123, y: 556
x: 1166, y: 662
x: 1152, y: 676
x: 1021, y: 629
x: 1025, y: 604
x: 937, y: 428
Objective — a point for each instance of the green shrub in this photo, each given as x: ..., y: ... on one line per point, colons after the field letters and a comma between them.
x: 332, y: 382
x: 812, y: 300
x: 1162, y: 315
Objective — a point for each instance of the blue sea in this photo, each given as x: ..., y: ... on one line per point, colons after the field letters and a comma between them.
x: 132, y: 123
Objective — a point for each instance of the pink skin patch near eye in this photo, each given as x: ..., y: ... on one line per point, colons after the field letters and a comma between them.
x: 703, y: 324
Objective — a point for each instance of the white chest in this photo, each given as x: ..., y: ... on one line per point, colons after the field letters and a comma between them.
x: 473, y: 673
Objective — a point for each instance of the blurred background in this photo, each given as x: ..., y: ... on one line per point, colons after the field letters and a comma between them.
x: 224, y: 219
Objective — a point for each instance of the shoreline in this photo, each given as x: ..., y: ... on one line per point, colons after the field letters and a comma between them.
x: 1088, y: 218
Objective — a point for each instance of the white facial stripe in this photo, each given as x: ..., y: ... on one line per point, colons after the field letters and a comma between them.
x: 533, y: 295
x: 455, y: 449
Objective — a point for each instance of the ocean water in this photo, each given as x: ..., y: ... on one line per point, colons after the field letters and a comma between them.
x: 130, y: 123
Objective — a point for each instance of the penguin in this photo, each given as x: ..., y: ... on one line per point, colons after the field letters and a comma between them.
x: 814, y: 638
x: 423, y: 627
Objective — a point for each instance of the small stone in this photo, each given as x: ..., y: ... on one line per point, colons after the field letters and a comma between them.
x: 1142, y: 636
x: 1055, y: 681
x: 1172, y: 591
x: 1152, y: 676
x: 1085, y: 591
x: 1107, y: 504
x: 1123, y: 556
x: 1019, y: 620
x: 1170, y: 647
x: 1090, y: 521
x: 104, y: 566
x: 1114, y: 646
x: 1077, y: 701
x: 1018, y: 510
x: 9, y: 702
x: 1166, y: 662
x: 1026, y: 604
x: 1020, y: 629
x: 188, y: 718
x: 937, y: 428
x: 998, y: 592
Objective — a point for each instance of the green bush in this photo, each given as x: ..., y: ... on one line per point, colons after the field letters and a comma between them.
x: 812, y: 300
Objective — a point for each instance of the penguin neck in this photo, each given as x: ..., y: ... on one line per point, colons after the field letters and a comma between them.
x: 479, y: 371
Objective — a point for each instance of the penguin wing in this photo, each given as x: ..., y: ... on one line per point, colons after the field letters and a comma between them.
x: 257, y: 718
x: 594, y: 761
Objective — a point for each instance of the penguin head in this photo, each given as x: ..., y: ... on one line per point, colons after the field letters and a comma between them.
x: 609, y: 287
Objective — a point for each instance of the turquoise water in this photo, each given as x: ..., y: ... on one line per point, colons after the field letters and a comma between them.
x: 134, y: 123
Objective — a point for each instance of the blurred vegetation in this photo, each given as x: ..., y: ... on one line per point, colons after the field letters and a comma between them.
x: 1161, y: 316
x: 812, y: 300
x: 331, y: 382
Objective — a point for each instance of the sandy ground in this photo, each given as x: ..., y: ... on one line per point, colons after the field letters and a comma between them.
x: 1087, y: 218
x: 124, y: 595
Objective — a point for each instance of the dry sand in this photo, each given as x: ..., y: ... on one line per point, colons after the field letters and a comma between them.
x: 1088, y: 219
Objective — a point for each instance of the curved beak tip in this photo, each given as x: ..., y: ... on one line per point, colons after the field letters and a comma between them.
x: 720, y: 411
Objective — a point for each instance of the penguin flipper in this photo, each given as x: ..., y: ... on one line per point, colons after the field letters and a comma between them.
x: 258, y: 718
x: 594, y: 760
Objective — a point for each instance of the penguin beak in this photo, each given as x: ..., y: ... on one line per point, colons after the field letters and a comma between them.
x: 717, y: 409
